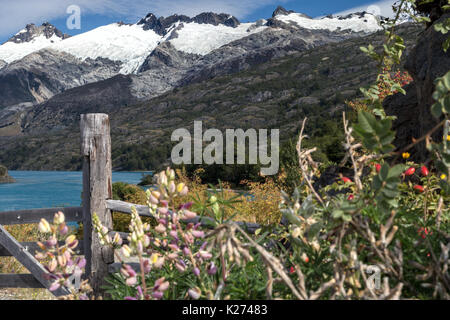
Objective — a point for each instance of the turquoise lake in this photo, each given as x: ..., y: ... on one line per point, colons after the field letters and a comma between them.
x: 48, y: 189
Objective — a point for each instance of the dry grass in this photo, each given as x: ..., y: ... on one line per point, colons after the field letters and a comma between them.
x: 26, y: 232
x: 260, y: 205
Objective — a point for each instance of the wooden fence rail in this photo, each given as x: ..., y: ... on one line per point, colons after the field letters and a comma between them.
x: 97, y: 198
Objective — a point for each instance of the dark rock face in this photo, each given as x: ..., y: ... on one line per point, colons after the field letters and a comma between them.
x: 426, y: 62
x: 216, y: 19
x: 281, y: 11
x: 161, y: 25
x: 4, y: 177
x: 33, y: 31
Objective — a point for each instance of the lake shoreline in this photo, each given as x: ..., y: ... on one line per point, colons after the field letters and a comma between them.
x: 49, y: 189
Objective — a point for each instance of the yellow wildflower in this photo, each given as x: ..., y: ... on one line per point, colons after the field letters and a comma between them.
x: 443, y: 176
x: 406, y: 155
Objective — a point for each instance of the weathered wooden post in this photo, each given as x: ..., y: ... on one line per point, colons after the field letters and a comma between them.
x: 97, y: 188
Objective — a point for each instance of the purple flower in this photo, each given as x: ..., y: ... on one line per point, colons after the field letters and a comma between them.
x: 55, y: 286
x: 211, y: 269
x: 157, y: 294
x: 196, y: 271
x: 174, y: 234
x: 198, y: 234
x: 186, y: 206
x: 186, y: 251
x: 194, y: 293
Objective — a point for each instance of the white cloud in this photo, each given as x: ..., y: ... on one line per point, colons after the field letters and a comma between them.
x: 383, y: 7
x: 14, y: 15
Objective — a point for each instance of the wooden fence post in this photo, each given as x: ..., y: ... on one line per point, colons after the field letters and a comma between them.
x: 97, y: 188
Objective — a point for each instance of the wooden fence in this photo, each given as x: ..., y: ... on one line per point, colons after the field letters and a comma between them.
x: 97, y: 197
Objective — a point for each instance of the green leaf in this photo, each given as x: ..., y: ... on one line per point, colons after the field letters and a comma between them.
x: 365, y: 121
x: 396, y: 171
x: 384, y: 171
x: 436, y: 110
x: 314, y: 230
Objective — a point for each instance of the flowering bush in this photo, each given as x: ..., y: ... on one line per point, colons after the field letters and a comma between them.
x: 64, y: 269
x: 381, y: 232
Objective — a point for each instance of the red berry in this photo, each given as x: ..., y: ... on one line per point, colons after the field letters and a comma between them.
x: 292, y: 270
x: 419, y: 188
x: 346, y: 180
x: 424, y: 171
x: 378, y: 167
x: 351, y: 197
x: 410, y: 171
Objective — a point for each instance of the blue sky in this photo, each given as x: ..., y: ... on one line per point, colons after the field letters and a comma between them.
x: 14, y: 15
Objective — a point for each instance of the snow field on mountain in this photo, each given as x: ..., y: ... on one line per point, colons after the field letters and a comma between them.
x: 203, y: 38
x: 11, y: 51
x: 367, y: 24
x: 129, y: 44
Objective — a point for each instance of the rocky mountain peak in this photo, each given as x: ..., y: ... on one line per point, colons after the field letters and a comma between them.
x: 216, y: 19
x: 280, y: 11
x: 161, y: 25
x: 32, y: 31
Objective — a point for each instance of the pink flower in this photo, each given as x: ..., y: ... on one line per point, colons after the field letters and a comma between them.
x: 198, y: 234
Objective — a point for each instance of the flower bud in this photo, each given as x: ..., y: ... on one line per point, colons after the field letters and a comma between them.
x: 174, y: 234
x: 205, y: 254
x: 180, y: 187
x: 70, y: 239
x: 180, y: 267
x: 52, y: 265
x: 51, y: 242
x: 172, y: 187
x: 117, y: 239
x: 156, y: 194
x: 44, y: 226
x: 196, y: 271
x: 62, y: 261
x: 160, y: 228
x: 131, y: 281
x: 126, y: 251
x: 187, y: 215
x: 147, y: 265
x: 54, y: 286
x: 59, y: 218
x: 164, y: 286
x: 186, y: 251
x: 162, y: 178
x: 172, y: 256
x: 211, y: 269
x: 171, y: 174
x: 194, y: 293
x: 153, y: 200
x: 198, y: 234
x: 63, y: 229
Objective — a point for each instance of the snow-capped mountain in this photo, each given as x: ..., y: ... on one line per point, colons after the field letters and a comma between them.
x: 30, y: 39
x: 131, y: 44
x: 356, y: 22
x: 156, y: 54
